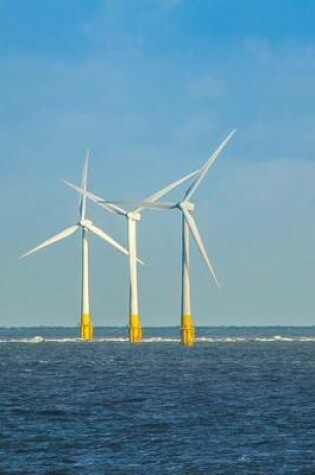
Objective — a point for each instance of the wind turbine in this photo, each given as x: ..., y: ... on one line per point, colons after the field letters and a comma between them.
x: 133, y: 217
x: 87, y: 226
x: 185, y: 206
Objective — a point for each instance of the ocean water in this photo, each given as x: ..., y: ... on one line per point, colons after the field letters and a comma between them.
x: 242, y: 401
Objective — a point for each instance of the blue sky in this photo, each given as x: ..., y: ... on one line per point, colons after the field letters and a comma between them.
x: 152, y: 87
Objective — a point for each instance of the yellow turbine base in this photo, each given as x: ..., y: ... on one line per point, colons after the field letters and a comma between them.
x: 135, y: 330
x: 86, y: 327
x: 187, y: 331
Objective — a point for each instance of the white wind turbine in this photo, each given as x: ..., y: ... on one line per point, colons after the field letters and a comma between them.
x: 133, y: 217
x: 86, y: 226
x: 189, y: 226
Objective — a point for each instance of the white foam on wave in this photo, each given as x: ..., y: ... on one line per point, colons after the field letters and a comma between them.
x: 277, y: 338
x: 21, y: 340
x: 38, y: 339
x: 62, y: 340
x: 111, y: 339
x: 227, y: 339
x: 160, y: 339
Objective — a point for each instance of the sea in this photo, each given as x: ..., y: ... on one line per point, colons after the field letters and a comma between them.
x: 241, y: 401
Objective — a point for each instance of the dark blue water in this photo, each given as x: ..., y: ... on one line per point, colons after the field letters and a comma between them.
x: 242, y: 401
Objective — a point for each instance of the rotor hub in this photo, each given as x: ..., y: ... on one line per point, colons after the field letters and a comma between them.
x: 84, y: 223
x: 133, y: 215
x: 186, y: 205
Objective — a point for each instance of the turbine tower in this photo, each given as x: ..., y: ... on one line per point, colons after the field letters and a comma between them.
x: 133, y: 217
x: 86, y: 330
x: 185, y: 206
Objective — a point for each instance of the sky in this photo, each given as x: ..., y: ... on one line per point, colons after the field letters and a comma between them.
x: 151, y: 87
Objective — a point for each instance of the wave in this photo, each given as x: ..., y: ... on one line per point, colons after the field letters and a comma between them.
x: 204, y: 339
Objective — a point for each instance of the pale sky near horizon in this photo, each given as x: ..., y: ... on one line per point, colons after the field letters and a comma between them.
x: 152, y: 87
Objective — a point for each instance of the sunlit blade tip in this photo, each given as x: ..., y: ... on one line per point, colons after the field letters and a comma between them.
x: 204, y: 169
x: 217, y: 282
x: 57, y: 237
x: 197, y: 237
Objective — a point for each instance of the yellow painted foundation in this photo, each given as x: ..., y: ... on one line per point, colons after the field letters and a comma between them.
x: 86, y: 327
x: 187, y: 330
x: 135, y: 330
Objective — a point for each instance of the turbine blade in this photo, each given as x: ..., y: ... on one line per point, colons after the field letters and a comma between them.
x: 85, y: 170
x: 57, y: 237
x: 158, y: 206
x: 197, y: 237
x: 97, y: 199
x: 163, y: 191
x: 105, y: 237
x: 144, y: 204
x: 84, y: 186
x: 204, y: 169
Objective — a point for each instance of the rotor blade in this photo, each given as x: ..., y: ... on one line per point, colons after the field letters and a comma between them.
x: 196, y: 235
x: 85, y: 171
x: 163, y: 191
x: 203, y: 170
x: 105, y: 237
x: 158, y: 206
x: 57, y: 237
x: 98, y: 200
x: 84, y: 186
x: 144, y: 204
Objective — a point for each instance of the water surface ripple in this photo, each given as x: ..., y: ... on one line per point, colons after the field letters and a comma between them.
x: 109, y: 407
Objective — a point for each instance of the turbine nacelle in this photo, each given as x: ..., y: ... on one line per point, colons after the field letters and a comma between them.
x: 133, y: 215
x: 85, y: 223
x: 187, y: 205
